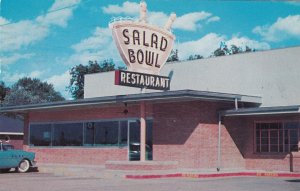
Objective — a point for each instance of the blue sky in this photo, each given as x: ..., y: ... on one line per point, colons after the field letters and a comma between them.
x: 45, y: 38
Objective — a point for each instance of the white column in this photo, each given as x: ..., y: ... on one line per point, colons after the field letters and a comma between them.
x: 143, y: 131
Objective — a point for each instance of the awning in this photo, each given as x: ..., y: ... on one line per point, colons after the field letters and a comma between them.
x: 167, y: 96
x: 293, y: 109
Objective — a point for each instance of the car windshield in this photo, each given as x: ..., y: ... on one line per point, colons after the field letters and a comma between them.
x: 8, y: 147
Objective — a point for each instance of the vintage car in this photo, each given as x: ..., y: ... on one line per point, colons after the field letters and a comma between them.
x: 18, y: 159
x: 135, y: 152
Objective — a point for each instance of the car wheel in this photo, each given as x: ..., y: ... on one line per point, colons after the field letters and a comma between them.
x: 24, y: 166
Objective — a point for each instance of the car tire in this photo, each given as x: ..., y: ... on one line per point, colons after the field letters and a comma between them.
x: 24, y: 166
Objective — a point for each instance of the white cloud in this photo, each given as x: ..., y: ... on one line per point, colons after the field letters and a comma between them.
x: 99, y: 46
x: 245, y: 41
x: 283, y: 28
x: 60, y: 82
x: 203, y: 46
x: 14, y: 58
x: 60, y: 17
x: 36, y: 74
x: 210, y: 42
x: 9, y: 78
x: 101, y: 37
x: 295, y: 3
x: 188, y: 22
x: 3, y: 21
x: 23, y: 33
x: 213, y: 19
x: 157, y: 18
x: 127, y: 8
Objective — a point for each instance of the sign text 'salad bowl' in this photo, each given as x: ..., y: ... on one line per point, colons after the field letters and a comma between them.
x: 143, y: 47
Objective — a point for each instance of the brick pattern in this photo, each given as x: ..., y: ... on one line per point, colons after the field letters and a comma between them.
x: 242, y: 131
x: 16, y: 141
x: 188, y: 133
x: 185, y: 132
x: 84, y: 156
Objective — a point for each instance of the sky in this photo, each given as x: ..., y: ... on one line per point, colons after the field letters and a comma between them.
x: 45, y: 38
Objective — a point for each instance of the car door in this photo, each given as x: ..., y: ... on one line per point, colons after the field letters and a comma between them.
x: 8, y: 159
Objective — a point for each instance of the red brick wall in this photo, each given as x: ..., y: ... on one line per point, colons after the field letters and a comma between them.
x: 80, y: 155
x: 242, y: 131
x: 188, y: 133
x: 84, y: 156
x: 16, y: 141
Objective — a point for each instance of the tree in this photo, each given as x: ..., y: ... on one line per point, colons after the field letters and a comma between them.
x: 31, y: 91
x: 173, y: 56
x: 77, y: 73
x: 224, y: 50
x: 195, y: 57
x: 3, y: 91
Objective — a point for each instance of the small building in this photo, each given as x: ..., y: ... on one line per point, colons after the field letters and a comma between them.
x: 230, y: 112
x: 11, y: 128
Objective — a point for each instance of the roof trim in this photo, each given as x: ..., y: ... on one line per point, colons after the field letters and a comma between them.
x: 11, y: 133
x: 293, y: 109
x: 156, y: 96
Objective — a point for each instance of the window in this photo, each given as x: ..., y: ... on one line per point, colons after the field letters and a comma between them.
x: 277, y: 137
x: 40, y: 135
x: 97, y: 133
x: 108, y: 133
x: 67, y: 134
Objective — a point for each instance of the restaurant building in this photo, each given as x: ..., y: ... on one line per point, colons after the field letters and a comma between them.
x: 230, y: 112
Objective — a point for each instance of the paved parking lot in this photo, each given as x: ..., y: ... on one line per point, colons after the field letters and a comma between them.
x: 35, y: 181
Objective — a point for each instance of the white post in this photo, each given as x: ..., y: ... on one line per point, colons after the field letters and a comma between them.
x: 219, y: 144
x: 143, y: 131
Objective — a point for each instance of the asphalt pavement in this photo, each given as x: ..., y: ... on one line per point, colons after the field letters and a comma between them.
x: 37, y: 181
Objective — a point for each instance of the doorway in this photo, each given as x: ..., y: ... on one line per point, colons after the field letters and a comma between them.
x: 134, y: 134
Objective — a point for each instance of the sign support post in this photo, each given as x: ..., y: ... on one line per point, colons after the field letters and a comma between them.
x: 145, y: 49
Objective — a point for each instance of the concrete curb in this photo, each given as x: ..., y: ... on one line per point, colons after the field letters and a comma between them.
x: 215, y: 175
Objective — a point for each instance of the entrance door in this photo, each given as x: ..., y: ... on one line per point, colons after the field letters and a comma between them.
x: 134, y: 135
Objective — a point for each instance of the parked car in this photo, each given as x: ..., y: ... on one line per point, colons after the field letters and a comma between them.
x: 135, y: 152
x: 18, y: 159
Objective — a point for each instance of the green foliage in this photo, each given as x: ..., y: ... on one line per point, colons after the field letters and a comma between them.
x: 77, y: 73
x: 31, y: 91
x: 173, y: 56
x: 222, y: 51
x: 195, y: 57
x: 3, y: 91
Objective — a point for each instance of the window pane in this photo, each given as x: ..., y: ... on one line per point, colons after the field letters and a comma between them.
x: 265, y: 133
x: 68, y: 134
x: 264, y: 141
x: 123, y: 133
x: 106, y: 133
x: 89, y: 133
x: 264, y: 148
x: 40, y: 135
x: 264, y: 126
x: 274, y: 148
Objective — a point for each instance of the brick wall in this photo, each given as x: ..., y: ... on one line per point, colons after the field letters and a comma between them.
x: 188, y: 133
x: 80, y: 155
x: 16, y: 141
x: 184, y: 132
x: 84, y: 156
x: 242, y: 131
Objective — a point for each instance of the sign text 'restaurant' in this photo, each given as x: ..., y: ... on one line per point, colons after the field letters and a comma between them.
x: 141, y: 80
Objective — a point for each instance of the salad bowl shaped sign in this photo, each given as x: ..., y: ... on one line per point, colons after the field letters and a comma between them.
x: 143, y: 47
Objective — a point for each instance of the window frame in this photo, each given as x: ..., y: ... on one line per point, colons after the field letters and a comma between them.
x: 283, y: 124
x: 119, y: 120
